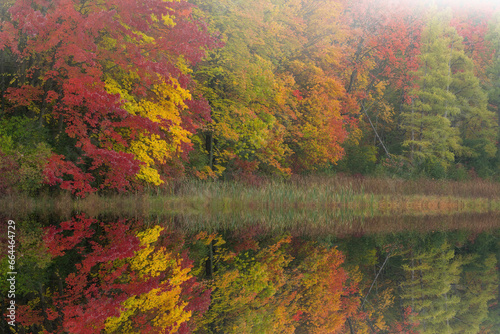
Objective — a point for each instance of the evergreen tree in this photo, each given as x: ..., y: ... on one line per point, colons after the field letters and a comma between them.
x: 431, y: 273
x: 448, y: 114
x: 477, y: 290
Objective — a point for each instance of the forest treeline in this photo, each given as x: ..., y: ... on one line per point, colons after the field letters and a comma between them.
x: 119, y: 95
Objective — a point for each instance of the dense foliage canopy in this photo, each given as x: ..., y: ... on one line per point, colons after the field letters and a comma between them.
x: 119, y: 95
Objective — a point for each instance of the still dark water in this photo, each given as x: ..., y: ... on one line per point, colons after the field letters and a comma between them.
x: 281, y: 271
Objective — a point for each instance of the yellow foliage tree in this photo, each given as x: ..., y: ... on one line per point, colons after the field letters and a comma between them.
x: 165, y: 303
x: 163, y: 104
x: 158, y: 95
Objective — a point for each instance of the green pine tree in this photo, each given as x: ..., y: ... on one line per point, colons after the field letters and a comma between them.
x: 448, y: 116
x: 431, y: 273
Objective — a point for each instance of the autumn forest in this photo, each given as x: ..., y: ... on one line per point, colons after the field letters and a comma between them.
x: 250, y: 166
x: 122, y: 95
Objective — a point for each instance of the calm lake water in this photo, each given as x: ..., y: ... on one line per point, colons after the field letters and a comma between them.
x: 294, y: 270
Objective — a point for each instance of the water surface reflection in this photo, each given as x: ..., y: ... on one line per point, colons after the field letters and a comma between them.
x: 288, y: 272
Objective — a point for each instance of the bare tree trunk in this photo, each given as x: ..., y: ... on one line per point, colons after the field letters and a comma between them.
x: 376, y: 133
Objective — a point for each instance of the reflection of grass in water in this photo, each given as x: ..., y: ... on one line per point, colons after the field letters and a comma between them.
x: 305, y: 223
x: 331, y: 218
x: 320, y: 211
x: 311, y: 200
x: 276, y: 220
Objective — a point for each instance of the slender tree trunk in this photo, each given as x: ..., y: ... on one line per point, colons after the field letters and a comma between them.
x: 412, y: 130
x: 210, y: 260
x: 351, y: 328
x: 448, y: 82
x: 44, y: 312
x: 376, y: 277
x: 60, y: 283
x: 412, y: 280
x: 376, y: 133
x: 209, y: 144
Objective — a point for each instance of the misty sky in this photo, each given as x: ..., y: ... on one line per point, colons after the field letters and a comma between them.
x: 454, y: 3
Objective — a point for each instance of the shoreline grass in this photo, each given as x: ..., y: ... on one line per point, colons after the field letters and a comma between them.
x: 364, y: 197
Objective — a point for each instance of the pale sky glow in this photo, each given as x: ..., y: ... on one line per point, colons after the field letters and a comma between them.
x: 464, y: 6
x: 464, y: 3
x: 451, y: 3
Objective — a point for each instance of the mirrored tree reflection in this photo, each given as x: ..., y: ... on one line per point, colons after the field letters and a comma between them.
x: 110, y: 275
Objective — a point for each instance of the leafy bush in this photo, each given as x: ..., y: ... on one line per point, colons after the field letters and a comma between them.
x: 432, y: 168
x: 358, y: 159
x: 23, y: 155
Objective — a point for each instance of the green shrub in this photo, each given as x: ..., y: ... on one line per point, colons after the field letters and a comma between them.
x: 457, y: 172
x: 23, y: 155
x: 432, y: 168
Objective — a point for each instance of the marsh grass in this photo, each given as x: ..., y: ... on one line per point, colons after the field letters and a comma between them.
x: 311, y: 198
